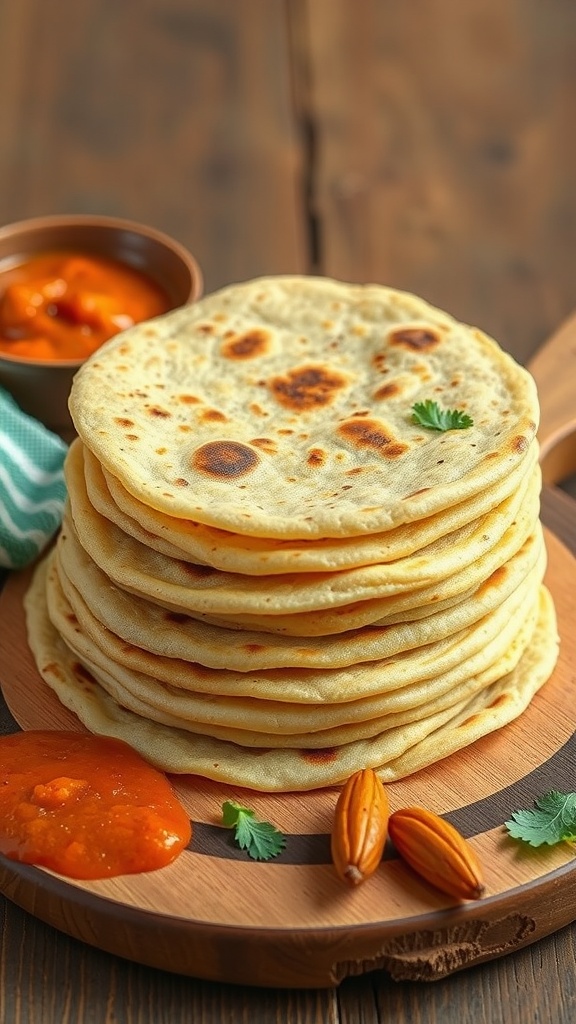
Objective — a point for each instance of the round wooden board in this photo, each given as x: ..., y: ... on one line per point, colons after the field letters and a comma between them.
x: 290, y: 922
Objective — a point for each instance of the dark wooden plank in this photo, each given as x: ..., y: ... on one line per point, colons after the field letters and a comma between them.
x: 79, y: 985
x: 528, y: 986
x: 446, y: 156
x: 171, y: 113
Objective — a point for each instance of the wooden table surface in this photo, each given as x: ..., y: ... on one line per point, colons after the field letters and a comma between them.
x: 426, y: 145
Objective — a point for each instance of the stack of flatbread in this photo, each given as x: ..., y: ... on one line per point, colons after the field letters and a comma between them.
x: 270, y: 571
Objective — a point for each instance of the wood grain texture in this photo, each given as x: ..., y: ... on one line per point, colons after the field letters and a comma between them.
x: 554, y: 369
x: 445, y: 155
x: 175, y: 114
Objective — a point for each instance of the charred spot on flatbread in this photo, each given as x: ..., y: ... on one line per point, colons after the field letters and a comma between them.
x: 249, y: 345
x: 371, y: 434
x: 307, y: 387
x: 224, y: 459
x: 416, y: 339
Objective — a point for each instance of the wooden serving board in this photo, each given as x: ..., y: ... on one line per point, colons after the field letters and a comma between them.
x: 215, y: 914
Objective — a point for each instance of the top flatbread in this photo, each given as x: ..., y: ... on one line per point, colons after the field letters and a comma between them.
x: 282, y: 407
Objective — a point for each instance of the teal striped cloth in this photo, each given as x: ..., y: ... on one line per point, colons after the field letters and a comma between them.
x: 32, y: 488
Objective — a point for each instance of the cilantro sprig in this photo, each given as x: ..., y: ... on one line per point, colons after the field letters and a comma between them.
x: 551, y: 821
x: 429, y: 414
x: 260, y: 839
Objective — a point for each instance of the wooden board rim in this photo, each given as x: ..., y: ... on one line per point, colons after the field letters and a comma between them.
x: 23, y: 884
x: 292, y: 956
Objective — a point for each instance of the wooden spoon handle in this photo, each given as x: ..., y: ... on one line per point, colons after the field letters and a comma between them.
x: 554, y: 369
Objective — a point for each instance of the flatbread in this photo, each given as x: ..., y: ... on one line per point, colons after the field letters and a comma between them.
x: 478, y: 647
x: 282, y: 407
x: 142, y: 626
x: 232, y: 552
x: 469, y: 555
x: 224, y: 714
x: 269, y: 572
x: 180, y: 751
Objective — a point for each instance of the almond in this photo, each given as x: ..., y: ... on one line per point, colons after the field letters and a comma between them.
x: 437, y: 852
x: 360, y: 827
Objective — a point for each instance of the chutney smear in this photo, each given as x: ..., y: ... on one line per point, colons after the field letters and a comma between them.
x: 86, y: 806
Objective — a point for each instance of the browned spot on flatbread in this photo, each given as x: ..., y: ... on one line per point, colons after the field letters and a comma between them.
x: 388, y: 390
x: 181, y: 482
x: 123, y: 422
x: 316, y: 457
x: 416, y: 339
x: 520, y: 443
x: 369, y: 433
x: 131, y: 437
x: 188, y: 399
x: 253, y: 648
x: 212, y: 416
x: 224, y: 460
x: 247, y: 346
x: 503, y: 698
x: 83, y: 676
x: 317, y: 755
x: 307, y: 387
x: 396, y: 450
x: 53, y: 669
x: 159, y: 412
x: 468, y: 721
x: 493, y: 581
x: 266, y: 444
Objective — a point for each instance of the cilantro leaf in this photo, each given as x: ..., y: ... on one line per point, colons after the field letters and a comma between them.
x: 429, y: 414
x: 553, y: 820
x: 260, y: 839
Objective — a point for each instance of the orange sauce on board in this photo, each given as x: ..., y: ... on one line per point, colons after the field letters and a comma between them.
x: 86, y: 806
x: 64, y: 305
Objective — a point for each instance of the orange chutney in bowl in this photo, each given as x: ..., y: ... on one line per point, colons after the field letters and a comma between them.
x: 63, y: 305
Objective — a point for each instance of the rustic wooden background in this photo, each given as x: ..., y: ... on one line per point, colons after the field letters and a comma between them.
x: 428, y: 145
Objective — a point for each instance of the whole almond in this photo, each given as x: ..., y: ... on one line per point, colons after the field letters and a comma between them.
x: 360, y: 826
x: 437, y: 852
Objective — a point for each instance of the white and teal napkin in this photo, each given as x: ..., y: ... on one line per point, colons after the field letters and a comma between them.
x: 32, y: 488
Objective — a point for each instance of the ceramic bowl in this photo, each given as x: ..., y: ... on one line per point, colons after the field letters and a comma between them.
x: 42, y: 387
